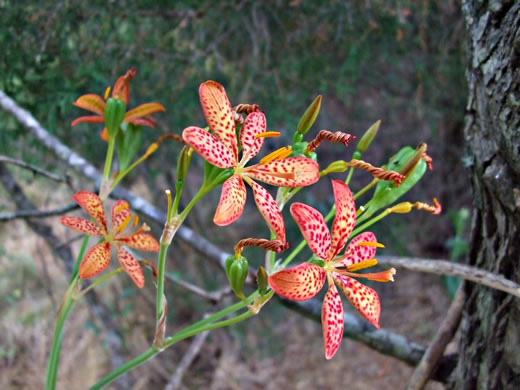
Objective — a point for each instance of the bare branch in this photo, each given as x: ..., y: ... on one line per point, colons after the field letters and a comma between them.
x: 436, y: 348
x: 33, y: 168
x: 37, y: 213
x: 443, y: 267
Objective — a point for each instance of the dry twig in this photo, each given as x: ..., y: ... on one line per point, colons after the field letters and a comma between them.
x: 37, y: 213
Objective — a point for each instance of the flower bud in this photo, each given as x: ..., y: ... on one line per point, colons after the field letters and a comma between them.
x: 183, y: 163
x: 261, y: 280
x: 237, y: 269
x: 115, y: 111
x: 368, y: 137
x: 401, y: 208
x: 309, y: 116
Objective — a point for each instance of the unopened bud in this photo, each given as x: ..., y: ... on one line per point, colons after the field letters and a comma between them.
x: 261, y: 280
x: 183, y: 163
x: 368, y: 137
x: 412, y: 162
x: 309, y: 116
x: 338, y: 166
x: 401, y: 208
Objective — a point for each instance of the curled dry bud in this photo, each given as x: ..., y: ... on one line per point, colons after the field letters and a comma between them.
x: 368, y: 137
x: 412, y: 162
x: 378, y: 173
x: 269, y: 245
x: 325, y: 135
x: 434, y: 209
x: 309, y: 116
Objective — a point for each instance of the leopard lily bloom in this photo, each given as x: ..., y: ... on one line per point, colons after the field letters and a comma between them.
x: 307, y: 279
x: 98, y: 257
x: 96, y: 104
x: 221, y: 150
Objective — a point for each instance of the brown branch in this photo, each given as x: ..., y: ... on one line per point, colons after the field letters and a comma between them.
x: 435, y: 350
x: 33, y: 168
x: 24, y: 214
x: 444, y: 267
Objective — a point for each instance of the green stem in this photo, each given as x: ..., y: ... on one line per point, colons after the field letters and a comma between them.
x: 68, y: 301
x: 96, y: 282
x: 370, y: 222
x: 160, y: 280
x: 109, y: 157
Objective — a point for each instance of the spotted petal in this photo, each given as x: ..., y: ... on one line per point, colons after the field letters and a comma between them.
x: 210, y: 148
x: 91, y: 102
x: 355, y: 254
x: 92, y: 204
x: 141, y: 241
x: 121, y: 88
x: 253, y: 125
x: 363, y: 298
x: 345, y: 218
x: 148, y: 121
x: 144, y: 110
x: 289, y: 172
x: 298, y: 283
x: 81, y: 225
x: 88, y: 119
x: 95, y: 261
x: 332, y: 321
x: 131, y: 266
x: 218, y: 113
x: 269, y: 210
x: 232, y: 201
x: 313, y: 228
x: 120, y: 215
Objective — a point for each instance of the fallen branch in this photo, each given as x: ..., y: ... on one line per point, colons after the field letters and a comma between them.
x: 37, y: 213
x: 444, y: 267
x: 33, y: 168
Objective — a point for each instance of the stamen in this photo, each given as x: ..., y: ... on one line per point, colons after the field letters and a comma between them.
x: 276, y: 155
x: 136, y: 221
x: 267, y: 134
x: 124, y: 224
x: 384, y: 276
x: 370, y: 243
x: 362, y: 265
x: 122, y: 207
x: 107, y: 92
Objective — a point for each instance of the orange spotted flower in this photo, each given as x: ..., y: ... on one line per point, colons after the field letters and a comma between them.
x: 96, y: 104
x: 307, y: 279
x: 97, y: 258
x: 221, y: 150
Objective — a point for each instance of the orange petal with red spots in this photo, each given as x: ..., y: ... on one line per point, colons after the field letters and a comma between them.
x: 121, y: 88
x: 88, y: 119
x: 92, y: 204
x: 313, y: 227
x: 150, y: 122
x: 218, y: 113
x: 345, y: 218
x: 363, y: 298
x: 232, y: 201
x: 95, y: 261
x: 81, y: 225
x: 298, y: 283
x: 355, y: 254
x: 120, y: 215
x: 253, y: 125
x: 141, y: 241
x: 332, y: 321
x: 91, y: 102
x: 210, y: 148
x: 144, y: 110
x: 289, y: 172
x: 131, y: 266
x: 269, y: 210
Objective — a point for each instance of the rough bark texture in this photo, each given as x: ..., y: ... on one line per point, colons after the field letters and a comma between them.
x: 489, y: 350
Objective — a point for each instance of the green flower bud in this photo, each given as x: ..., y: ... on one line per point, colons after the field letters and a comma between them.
x: 237, y: 269
x: 368, y: 137
x: 183, y: 163
x: 115, y: 110
x: 309, y: 116
x: 261, y: 280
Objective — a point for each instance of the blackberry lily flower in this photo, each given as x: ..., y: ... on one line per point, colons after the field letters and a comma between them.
x: 221, y: 150
x: 96, y: 104
x: 97, y: 258
x: 307, y: 279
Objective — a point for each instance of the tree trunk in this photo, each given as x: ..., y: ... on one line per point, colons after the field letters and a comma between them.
x: 490, y: 343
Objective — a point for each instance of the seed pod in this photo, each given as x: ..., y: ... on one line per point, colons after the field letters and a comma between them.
x: 261, y: 280
x: 115, y: 111
x: 236, y: 272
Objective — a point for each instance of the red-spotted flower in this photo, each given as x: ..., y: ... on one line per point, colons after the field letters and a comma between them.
x: 221, y: 150
x: 98, y: 257
x: 307, y: 279
x: 96, y: 104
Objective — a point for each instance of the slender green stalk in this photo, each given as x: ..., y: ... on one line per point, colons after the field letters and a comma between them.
x: 98, y: 281
x: 109, y: 157
x: 160, y: 280
x: 63, y: 313
x: 370, y: 222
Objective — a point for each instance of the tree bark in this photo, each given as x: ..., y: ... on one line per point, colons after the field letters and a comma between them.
x: 490, y: 343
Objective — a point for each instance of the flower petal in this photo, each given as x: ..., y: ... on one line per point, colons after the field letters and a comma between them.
x: 218, y: 114
x: 91, y: 102
x: 313, y: 228
x: 150, y: 122
x: 232, y: 201
x: 92, y: 204
x: 269, y: 210
x: 345, y: 218
x: 88, y: 119
x: 144, y: 110
x: 210, y: 148
x: 332, y: 321
x: 104, y: 134
x: 81, y: 225
x: 95, y: 261
x: 289, y: 172
x: 131, y: 266
x: 121, y: 88
x: 120, y: 214
x: 363, y: 298
x: 253, y: 125
x: 141, y: 241
x: 298, y: 283
x: 355, y: 254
